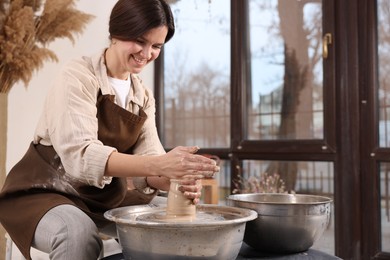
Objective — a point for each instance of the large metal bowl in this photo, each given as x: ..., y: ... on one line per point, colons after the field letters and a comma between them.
x: 219, y: 238
x: 286, y: 223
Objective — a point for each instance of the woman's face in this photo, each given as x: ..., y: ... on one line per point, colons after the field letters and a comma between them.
x: 133, y: 56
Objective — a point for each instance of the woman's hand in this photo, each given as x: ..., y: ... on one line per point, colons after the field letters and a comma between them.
x: 182, y: 162
x: 192, y: 189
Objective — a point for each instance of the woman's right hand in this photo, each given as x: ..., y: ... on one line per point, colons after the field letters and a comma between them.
x: 182, y: 162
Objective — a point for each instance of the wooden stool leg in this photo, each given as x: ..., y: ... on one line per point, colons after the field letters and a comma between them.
x: 214, y: 194
x: 207, y: 194
x: 210, y: 191
x: 8, y: 250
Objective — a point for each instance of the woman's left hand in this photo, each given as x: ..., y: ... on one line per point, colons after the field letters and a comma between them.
x: 192, y: 189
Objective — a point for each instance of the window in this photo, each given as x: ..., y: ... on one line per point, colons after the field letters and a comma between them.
x: 248, y: 86
x: 286, y: 88
x: 197, y: 76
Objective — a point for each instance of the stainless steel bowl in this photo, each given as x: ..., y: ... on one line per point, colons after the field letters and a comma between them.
x: 287, y: 223
x: 218, y: 238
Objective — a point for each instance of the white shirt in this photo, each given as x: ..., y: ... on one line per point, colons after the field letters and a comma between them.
x: 122, y: 90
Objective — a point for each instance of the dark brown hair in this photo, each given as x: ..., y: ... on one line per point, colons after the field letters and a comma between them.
x: 131, y: 19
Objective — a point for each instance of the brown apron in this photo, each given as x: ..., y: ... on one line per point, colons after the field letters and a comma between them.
x: 38, y: 182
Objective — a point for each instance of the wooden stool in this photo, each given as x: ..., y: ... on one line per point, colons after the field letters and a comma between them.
x: 211, y: 193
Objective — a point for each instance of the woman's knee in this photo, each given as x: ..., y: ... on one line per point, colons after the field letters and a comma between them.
x: 67, y: 230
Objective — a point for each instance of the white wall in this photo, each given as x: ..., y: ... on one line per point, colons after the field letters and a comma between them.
x: 25, y: 104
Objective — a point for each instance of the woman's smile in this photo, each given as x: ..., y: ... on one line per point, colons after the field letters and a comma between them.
x: 139, y: 61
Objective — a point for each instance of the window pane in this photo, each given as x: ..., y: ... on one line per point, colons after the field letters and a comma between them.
x: 197, y: 76
x: 286, y: 95
x: 301, y: 177
x: 385, y: 205
x: 384, y: 72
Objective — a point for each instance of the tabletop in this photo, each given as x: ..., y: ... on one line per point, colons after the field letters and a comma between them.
x: 248, y: 253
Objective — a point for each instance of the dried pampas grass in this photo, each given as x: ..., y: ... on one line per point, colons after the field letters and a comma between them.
x: 26, y: 28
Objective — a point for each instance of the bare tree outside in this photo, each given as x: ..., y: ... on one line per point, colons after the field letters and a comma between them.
x: 384, y: 71
x: 286, y: 84
x: 291, y: 106
x: 383, y: 27
x: 287, y: 96
x: 197, y: 77
x: 284, y: 92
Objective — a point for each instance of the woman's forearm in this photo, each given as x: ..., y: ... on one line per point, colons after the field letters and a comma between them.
x: 176, y: 164
x: 127, y: 165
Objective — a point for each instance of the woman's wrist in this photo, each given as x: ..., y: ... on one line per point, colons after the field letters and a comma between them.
x: 158, y: 182
x: 142, y: 185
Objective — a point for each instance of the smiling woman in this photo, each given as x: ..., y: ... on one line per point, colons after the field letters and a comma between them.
x: 131, y: 56
x: 90, y: 153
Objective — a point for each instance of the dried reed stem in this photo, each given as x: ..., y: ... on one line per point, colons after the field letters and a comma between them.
x: 26, y: 28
